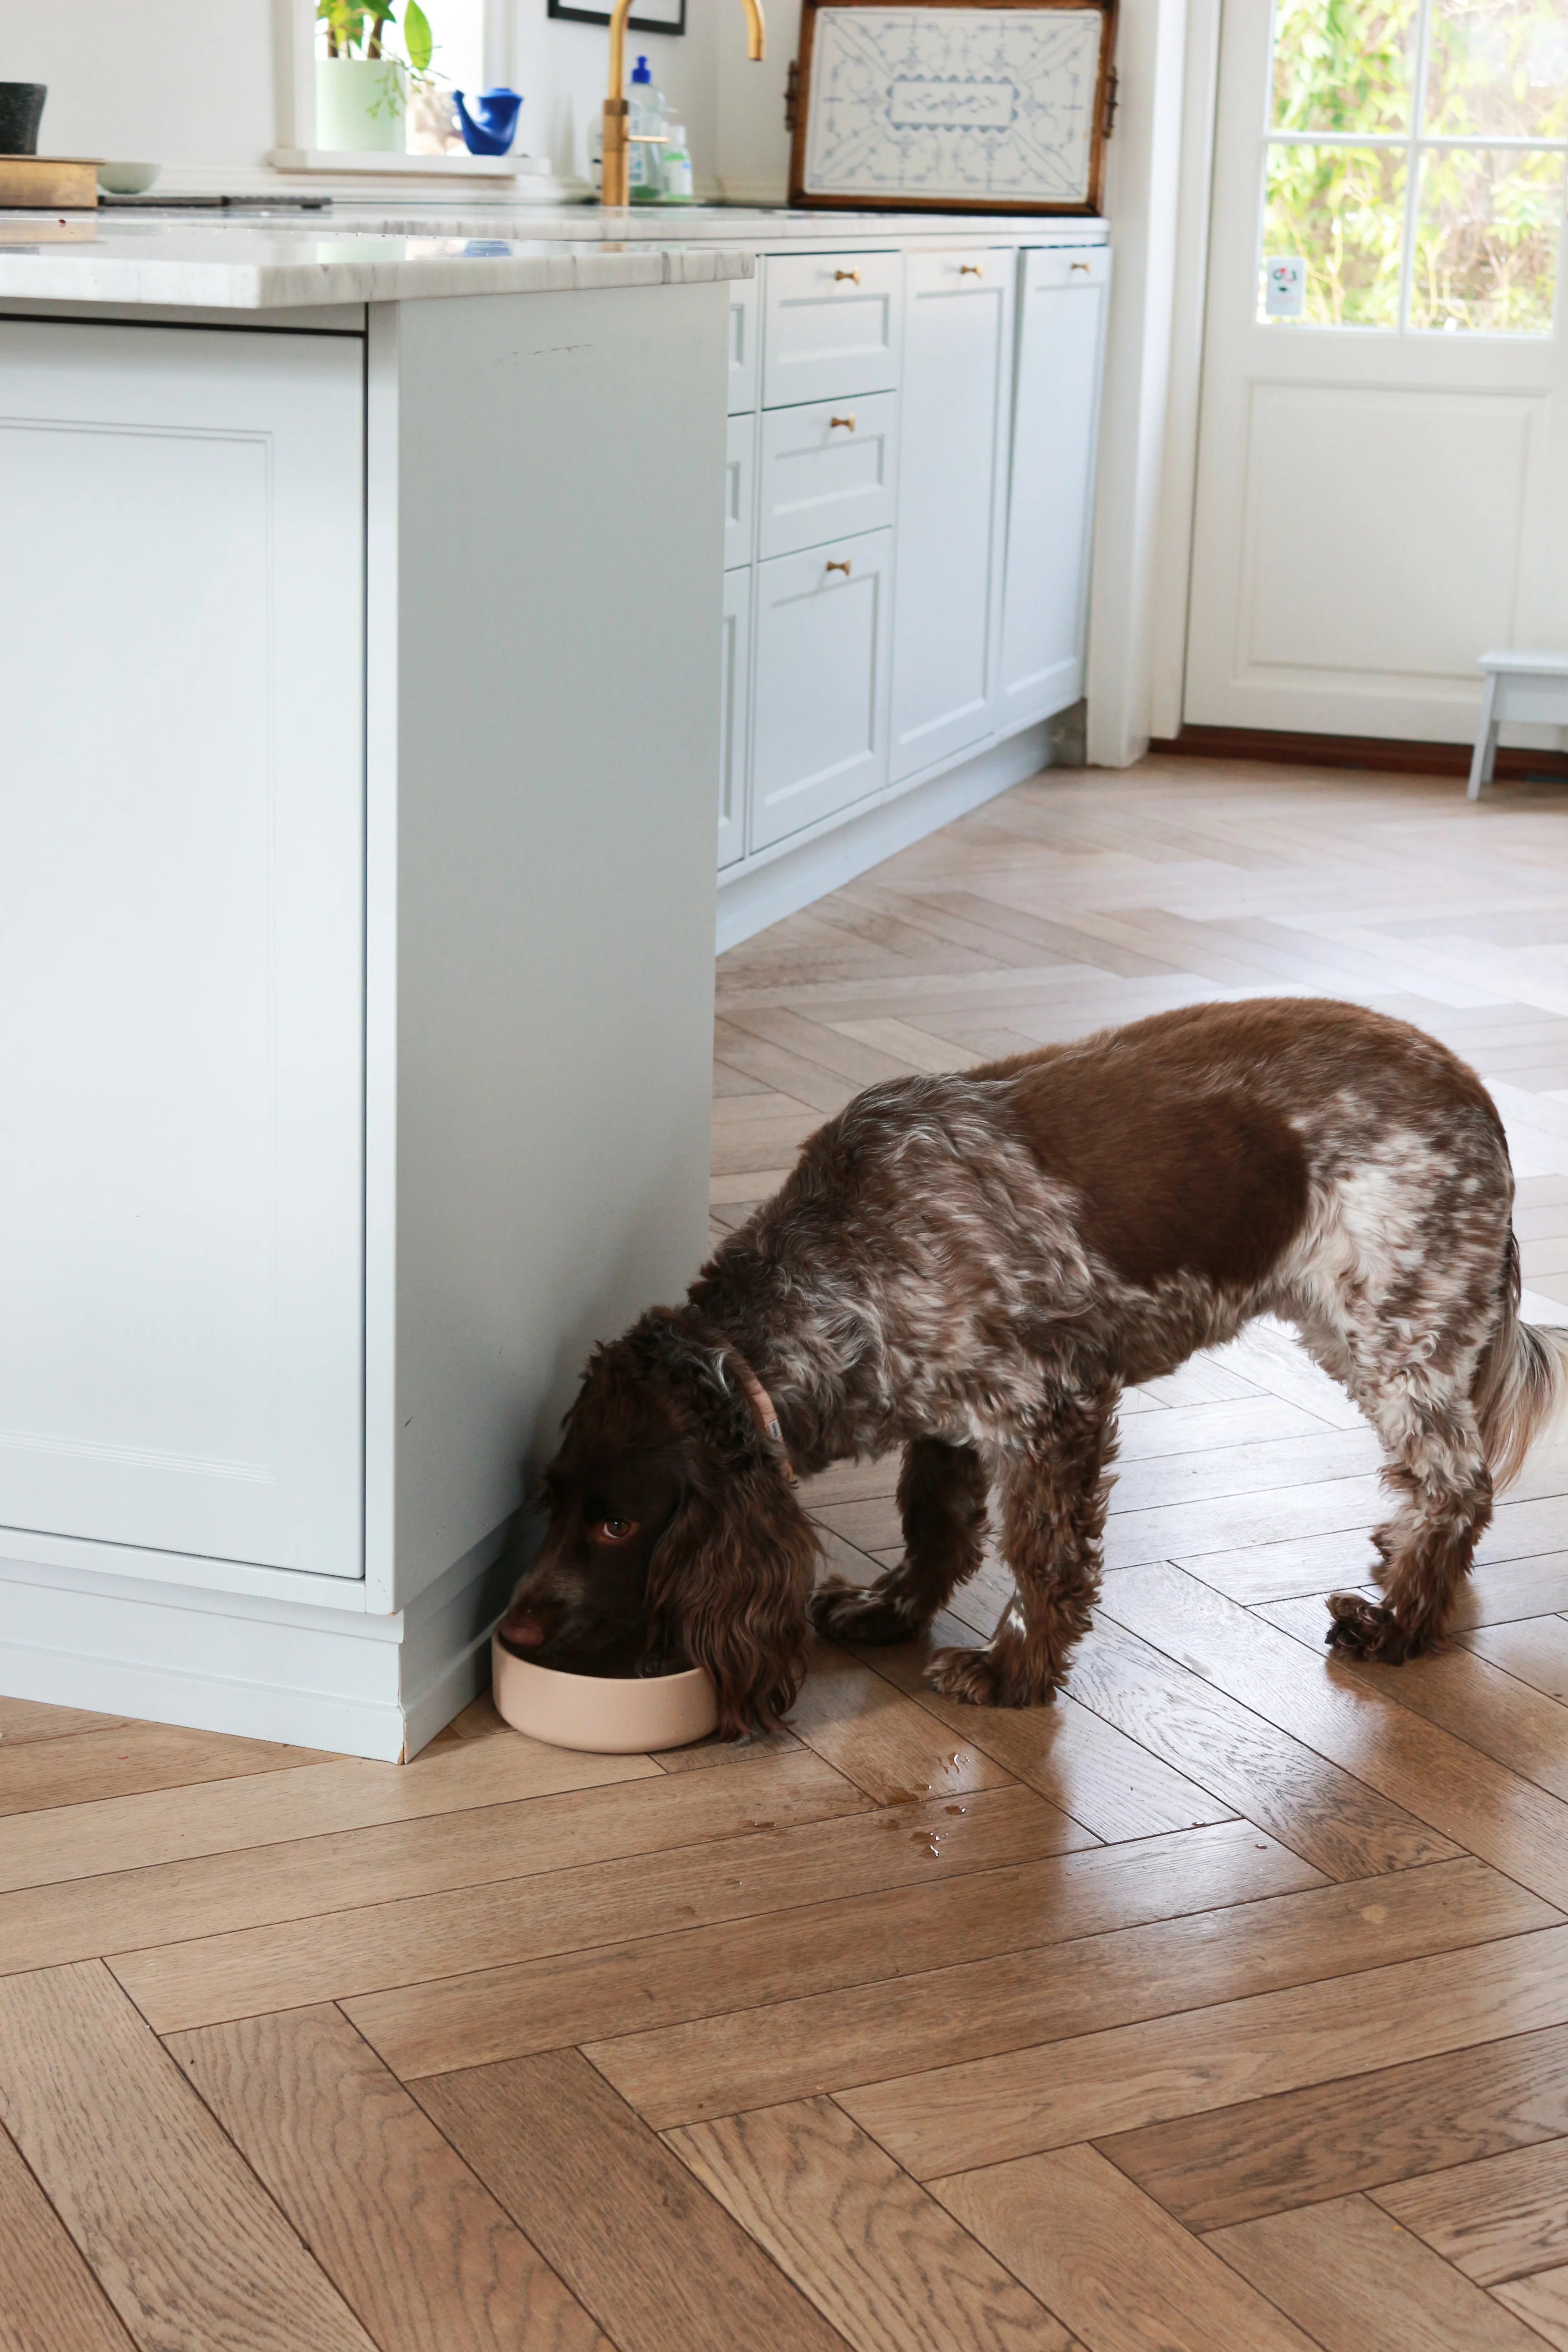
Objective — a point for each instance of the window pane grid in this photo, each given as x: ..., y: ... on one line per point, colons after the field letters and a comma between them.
x: 1401, y: 228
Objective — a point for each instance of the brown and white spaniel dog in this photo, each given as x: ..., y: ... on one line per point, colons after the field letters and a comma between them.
x: 971, y: 1268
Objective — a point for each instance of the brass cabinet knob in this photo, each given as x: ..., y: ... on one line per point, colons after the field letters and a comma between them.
x: 970, y: 270
x: 848, y: 422
x: 843, y: 567
x: 854, y: 274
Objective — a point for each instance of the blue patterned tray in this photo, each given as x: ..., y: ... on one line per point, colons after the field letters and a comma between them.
x: 998, y: 108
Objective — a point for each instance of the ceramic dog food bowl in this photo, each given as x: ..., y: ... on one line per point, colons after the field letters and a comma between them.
x: 609, y: 1716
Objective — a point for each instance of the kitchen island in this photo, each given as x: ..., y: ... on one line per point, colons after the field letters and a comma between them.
x: 362, y: 616
x: 397, y: 595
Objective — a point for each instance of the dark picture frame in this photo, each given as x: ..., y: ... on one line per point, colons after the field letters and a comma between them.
x: 859, y: 200
x: 635, y: 24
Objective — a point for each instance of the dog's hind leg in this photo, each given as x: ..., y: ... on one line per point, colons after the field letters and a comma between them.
x: 1053, y: 1517
x: 942, y: 1502
x: 1417, y: 1390
x: 1427, y: 1546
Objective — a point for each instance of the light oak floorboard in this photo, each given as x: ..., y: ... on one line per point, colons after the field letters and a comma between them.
x: 655, y: 1981
x: 227, y: 1817
x: 934, y: 2038
x: 1329, y: 1818
x: 294, y: 1879
x: 1119, y: 2272
x: 1494, y: 2219
x: 1388, y: 2125
x: 128, y: 1758
x: 1534, y: 1650
x: 189, y: 2249
x: 418, y: 2249
x: 49, y: 2300
x: 642, y: 2245
x: 1086, y: 1767
x: 887, y: 1746
x: 1541, y: 2302
x: 1521, y: 1829
x: 30, y: 1719
x: 1113, y: 2080
x: 209, y: 1979
x: 1356, y: 2282
x: 878, y: 2256
x: 1481, y: 1705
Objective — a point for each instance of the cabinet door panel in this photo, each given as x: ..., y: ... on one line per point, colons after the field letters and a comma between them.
x: 1051, y: 504
x: 740, y: 491
x: 744, y: 313
x: 957, y: 344
x: 820, y: 683
x: 833, y: 325
x: 827, y: 471
x: 181, y: 942
x: 734, y: 729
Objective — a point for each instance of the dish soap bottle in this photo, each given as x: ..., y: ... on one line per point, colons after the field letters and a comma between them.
x: 678, y: 187
x: 645, y: 127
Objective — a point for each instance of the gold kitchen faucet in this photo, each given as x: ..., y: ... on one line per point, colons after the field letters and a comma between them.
x: 617, y: 142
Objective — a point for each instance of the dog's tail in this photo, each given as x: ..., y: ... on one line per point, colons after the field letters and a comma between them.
x: 1521, y: 1382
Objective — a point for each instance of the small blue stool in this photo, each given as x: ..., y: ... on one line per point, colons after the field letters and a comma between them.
x: 1518, y: 686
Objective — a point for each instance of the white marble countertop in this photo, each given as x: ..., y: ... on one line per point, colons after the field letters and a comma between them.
x: 404, y: 251
x: 176, y: 260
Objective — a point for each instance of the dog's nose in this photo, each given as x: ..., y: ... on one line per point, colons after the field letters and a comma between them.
x: 521, y: 1632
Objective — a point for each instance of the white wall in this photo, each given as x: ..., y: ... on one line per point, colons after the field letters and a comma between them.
x: 187, y: 84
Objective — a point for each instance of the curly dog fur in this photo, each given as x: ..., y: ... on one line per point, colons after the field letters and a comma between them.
x: 972, y: 1268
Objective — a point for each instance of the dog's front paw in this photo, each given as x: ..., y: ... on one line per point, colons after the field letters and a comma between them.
x: 853, y: 1613
x: 985, y: 1678
x: 1360, y: 1628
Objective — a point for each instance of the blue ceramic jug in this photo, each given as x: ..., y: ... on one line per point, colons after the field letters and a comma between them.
x: 495, y: 129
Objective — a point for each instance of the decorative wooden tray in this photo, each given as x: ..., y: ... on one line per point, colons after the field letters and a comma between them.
x: 993, y: 106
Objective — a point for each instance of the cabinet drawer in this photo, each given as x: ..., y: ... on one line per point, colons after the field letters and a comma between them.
x: 828, y: 471
x: 1062, y: 266
x: 820, y: 683
x: 745, y: 309
x: 832, y: 325
x: 740, y: 491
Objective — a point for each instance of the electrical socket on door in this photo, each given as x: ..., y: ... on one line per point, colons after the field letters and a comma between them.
x: 1284, y: 287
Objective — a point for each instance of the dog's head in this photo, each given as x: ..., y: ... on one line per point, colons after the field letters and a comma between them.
x: 673, y: 1536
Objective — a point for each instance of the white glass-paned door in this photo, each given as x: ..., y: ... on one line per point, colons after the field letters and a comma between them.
x: 1382, y: 482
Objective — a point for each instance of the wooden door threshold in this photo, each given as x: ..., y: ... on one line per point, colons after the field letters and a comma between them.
x: 1391, y: 755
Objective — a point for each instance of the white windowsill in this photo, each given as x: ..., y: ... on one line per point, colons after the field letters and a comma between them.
x: 408, y: 166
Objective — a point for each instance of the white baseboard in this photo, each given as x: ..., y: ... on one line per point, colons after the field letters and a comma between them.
x: 314, y: 1675
x: 753, y: 896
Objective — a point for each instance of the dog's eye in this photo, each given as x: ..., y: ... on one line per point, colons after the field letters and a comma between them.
x: 615, y: 1531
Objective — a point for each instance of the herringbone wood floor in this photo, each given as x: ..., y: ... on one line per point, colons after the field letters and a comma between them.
x: 1222, y: 2007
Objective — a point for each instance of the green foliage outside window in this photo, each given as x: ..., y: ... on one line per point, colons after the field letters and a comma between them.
x: 1486, y: 220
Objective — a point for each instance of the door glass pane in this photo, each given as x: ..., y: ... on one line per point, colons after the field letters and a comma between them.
x: 1486, y: 240
x: 1343, y: 65
x: 1498, y: 66
x: 1342, y: 209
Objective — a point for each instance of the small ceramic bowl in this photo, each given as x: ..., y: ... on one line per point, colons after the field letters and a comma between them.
x: 126, y: 179
x: 608, y: 1715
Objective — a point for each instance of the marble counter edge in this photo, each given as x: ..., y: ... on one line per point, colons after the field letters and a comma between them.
x: 66, y: 273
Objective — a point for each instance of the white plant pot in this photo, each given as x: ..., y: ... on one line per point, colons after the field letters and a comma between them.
x: 360, y: 106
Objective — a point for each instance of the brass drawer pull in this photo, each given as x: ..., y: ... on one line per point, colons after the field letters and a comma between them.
x: 843, y: 567
x: 848, y: 422
x: 854, y: 274
x: 970, y: 270
x: 1077, y: 266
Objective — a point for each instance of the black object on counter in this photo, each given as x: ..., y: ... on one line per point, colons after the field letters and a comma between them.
x: 21, y: 111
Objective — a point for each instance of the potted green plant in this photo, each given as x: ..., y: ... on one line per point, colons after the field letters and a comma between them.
x: 360, y: 87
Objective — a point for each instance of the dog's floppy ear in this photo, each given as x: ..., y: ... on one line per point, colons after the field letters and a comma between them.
x: 734, y: 1570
